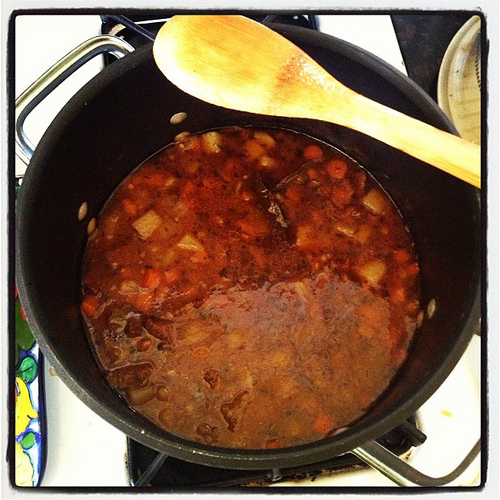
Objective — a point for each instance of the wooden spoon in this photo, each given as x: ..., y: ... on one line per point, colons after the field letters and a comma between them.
x: 237, y: 63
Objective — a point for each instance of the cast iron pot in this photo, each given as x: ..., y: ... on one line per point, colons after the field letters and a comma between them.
x: 122, y: 117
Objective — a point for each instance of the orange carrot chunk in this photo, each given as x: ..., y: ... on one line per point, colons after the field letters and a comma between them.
x: 336, y: 168
x: 401, y: 255
x: 152, y: 278
x: 90, y: 303
x: 313, y: 152
x: 323, y: 423
x: 129, y: 207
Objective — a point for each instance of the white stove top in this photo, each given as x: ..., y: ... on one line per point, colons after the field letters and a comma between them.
x: 75, y: 432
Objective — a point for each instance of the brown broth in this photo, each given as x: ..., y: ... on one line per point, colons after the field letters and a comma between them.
x: 250, y: 288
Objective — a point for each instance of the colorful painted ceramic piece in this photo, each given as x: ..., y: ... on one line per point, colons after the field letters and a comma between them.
x: 29, y: 444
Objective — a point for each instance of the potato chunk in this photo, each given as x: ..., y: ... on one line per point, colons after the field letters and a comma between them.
x: 374, y: 201
x: 211, y: 142
x: 373, y: 271
x: 189, y: 242
x: 147, y: 224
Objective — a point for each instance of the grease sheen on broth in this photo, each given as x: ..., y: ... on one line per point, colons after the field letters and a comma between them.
x: 250, y: 288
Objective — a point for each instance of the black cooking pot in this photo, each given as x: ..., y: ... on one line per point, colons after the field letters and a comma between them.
x: 122, y: 117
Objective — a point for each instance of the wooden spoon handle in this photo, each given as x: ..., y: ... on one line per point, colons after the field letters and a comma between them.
x: 443, y: 150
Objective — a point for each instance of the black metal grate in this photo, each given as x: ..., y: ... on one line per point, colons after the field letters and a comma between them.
x: 147, y: 467
x: 141, y: 29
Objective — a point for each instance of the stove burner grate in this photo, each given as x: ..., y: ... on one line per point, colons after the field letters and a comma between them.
x: 141, y: 29
x: 147, y: 467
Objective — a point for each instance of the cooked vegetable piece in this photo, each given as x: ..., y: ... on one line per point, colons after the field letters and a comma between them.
x: 147, y: 224
x: 211, y: 142
x: 90, y: 303
x: 337, y: 168
x: 363, y: 233
x: 375, y: 201
x: 189, y: 242
x: 346, y: 229
x: 373, y: 271
x: 140, y: 395
x: 152, y: 278
x: 313, y: 152
x: 254, y: 149
x: 130, y: 207
x: 264, y: 138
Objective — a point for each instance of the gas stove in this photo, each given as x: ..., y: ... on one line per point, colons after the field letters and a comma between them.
x: 82, y: 450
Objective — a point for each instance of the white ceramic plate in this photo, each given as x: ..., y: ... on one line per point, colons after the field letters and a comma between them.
x: 459, y: 81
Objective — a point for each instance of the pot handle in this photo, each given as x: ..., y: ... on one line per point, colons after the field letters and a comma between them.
x: 53, y: 77
x: 403, y: 474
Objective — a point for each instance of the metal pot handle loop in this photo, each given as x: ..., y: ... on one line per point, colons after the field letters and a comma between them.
x: 53, y: 77
x: 403, y: 474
